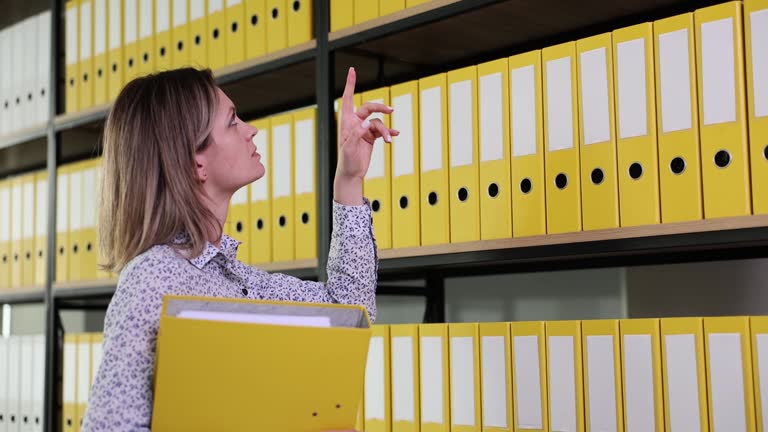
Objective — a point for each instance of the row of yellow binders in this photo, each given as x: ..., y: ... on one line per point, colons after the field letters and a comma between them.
x: 82, y: 357
x: 25, y: 72
x: 655, y: 123
x: 22, y: 383
x: 275, y: 217
x: 674, y: 374
x: 346, y: 13
x: 110, y: 42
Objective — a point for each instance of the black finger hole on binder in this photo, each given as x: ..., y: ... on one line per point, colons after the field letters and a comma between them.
x: 13, y: 419
x: 85, y: 77
x: 6, y: 104
x: 432, y: 198
x: 88, y: 247
x: 26, y: 420
x: 215, y: 33
x: 69, y: 422
x: 765, y: 152
x: 338, y: 406
x: 403, y: 202
x: 296, y: 5
x: 2, y: 418
x: 597, y: 176
x: 561, y: 181
x: 42, y: 92
x: 260, y: 224
x: 463, y: 194
x: 40, y: 254
x: 15, y: 257
x: 197, y: 40
x: 722, y: 159
x: 635, y: 171
x: 114, y: 67
x: 71, y: 84
x: 281, y: 221
x: 29, y: 96
x: 305, y: 218
x: 75, y: 248
x: 5, y: 259
x: 234, y: 27
x: 677, y: 166
x: 146, y: 57
x: 254, y: 20
x: 239, y: 227
x: 28, y: 256
x: 130, y: 62
x: 493, y: 190
x: 100, y: 73
x: 526, y: 185
x: 314, y: 414
x: 162, y: 51
x: 180, y: 46
x: 18, y: 100
x: 37, y: 420
x: 275, y: 13
x: 61, y: 250
x: 376, y: 205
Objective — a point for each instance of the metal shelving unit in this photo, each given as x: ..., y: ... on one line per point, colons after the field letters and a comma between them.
x: 430, y: 38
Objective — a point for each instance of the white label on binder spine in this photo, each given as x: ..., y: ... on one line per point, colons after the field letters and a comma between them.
x: 601, y: 383
x: 147, y: 13
x: 179, y: 12
x: 462, y: 381
x: 431, y: 368
x: 131, y: 26
x: 281, y: 149
x: 759, y: 35
x: 595, y: 105
x: 375, y: 393
x: 493, y: 367
x: 196, y: 9
x: 683, y: 383
x: 89, y: 198
x: 163, y: 18
x: 461, y: 119
x: 62, y: 201
x: 403, y: 379
x: 559, y: 97
x: 305, y: 156
x: 76, y: 201
x: 523, y: 107
x: 562, y: 383
x: 402, y: 149
x: 726, y: 370
x: 431, y: 129
x: 377, y: 168
x: 717, y: 70
x: 28, y: 198
x: 638, y: 381
x: 528, y: 382
x: 71, y: 53
x: 215, y: 6
x: 100, y: 27
x: 5, y: 214
x: 16, y: 211
x: 259, y: 190
x: 491, y: 122
x: 115, y: 24
x: 675, y: 81
x: 632, y: 86
x: 240, y: 196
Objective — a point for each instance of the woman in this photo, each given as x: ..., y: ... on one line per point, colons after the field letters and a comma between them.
x: 174, y: 154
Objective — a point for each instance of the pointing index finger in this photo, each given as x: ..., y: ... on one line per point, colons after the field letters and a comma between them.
x: 349, y: 91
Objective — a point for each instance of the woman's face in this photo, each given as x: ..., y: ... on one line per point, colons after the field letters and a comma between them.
x: 230, y: 161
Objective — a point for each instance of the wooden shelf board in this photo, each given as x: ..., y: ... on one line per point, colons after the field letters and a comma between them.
x: 288, y: 265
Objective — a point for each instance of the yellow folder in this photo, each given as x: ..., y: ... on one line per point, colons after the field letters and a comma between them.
x: 72, y: 55
x: 495, y: 377
x: 378, y: 180
x: 730, y: 393
x: 312, y: 383
x: 342, y: 14
x: 434, y: 373
x: 636, y: 125
x: 69, y: 381
x: 115, y: 59
x: 255, y: 28
x: 163, y: 36
x: 597, y: 144
x: 387, y: 7
x: 217, y: 30
x: 643, y: 395
x: 300, y: 16
x: 198, y: 33
x: 17, y: 226
x: 180, y: 40
x: 100, y: 38
x: 277, y: 25
x: 529, y: 375
x: 85, y: 21
x: 261, y: 220
x: 406, y: 406
x: 564, y: 375
x: 131, y: 56
x: 235, y: 31
x: 756, y: 23
x: 283, y: 202
x: 28, y: 261
x: 62, y: 223
x: 683, y: 374
x: 83, y: 376
x: 360, y: 419
x: 378, y: 399
x: 464, y: 386
x: 88, y: 260
x: 147, y: 37
x: 409, y: 3
x: 493, y: 138
x: 561, y: 123
x: 723, y: 110
x: 239, y: 220
x: 5, y: 234
x: 758, y: 327
x: 365, y: 10
x: 76, y: 231
x: 433, y: 141
x: 527, y: 141
x: 603, y: 401
x: 678, y: 119
x: 464, y: 172
x: 305, y: 186
x: 405, y: 165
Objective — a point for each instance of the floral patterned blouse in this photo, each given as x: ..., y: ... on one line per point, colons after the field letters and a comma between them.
x: 121, y: 395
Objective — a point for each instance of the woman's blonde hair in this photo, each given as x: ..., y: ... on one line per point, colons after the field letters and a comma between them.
x: 151, y: 192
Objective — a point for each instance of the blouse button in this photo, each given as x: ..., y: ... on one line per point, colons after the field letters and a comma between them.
x: 245, y: 292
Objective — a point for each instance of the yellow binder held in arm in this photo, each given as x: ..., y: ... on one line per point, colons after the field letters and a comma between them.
x: 303, y: 365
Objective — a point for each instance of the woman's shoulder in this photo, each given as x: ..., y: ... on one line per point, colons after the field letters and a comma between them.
x: 154, y: 268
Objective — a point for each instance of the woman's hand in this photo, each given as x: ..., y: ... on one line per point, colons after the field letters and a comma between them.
x: 357, y: 135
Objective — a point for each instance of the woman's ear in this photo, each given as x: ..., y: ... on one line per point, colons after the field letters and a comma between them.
x: 202, y: 173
